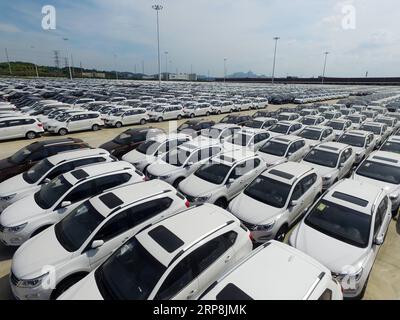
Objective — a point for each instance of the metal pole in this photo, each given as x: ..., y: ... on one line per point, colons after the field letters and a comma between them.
x: 323, y: 73
x: 115, y: 66
x: 166, y: 65
x: 224, y: 70
x: 36, y: 68
x: 8, y: 61
x: 72, y: 65
x: 273, y: 66
x: 69, y: 65
x: 158, y: 7
x: 143, y: 67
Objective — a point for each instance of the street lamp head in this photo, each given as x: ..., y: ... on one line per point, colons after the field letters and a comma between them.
x: 157, y: 7
x: 326, y: 52
x: 276, y: 38
x: 65, y: 39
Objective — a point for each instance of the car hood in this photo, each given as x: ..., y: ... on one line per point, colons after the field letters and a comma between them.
x: 39, y: 251
x: 21, y: 211
x: 161, y: 168
x: 12, y: 185
x: 388, y: 187
x: 332, y: 253
x: 135, y: 156
x: 86, y: 289
x: 271, y: 159
x: 252, y: 211
x: 196, y: 187
x: 321, y: 170
x: 5, y: 164
x: 110, y: 145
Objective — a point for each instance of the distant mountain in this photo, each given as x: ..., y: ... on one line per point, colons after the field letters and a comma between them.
x: 248, y: 74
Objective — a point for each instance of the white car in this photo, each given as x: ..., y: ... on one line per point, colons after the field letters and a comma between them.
x: 356, y: 120
x: 243, y: 104
x: 19, y: 186
x: 166, y: 112
x: 79, y: 121
x: 325, y: 108
x: 276, y: 199
x: 362, y: 142
x: 280, y: 149
x: 330, y: 115
x: 177, y: 258
x: 285, y: 127
x: 382, y: 169
x: 308, y: 112
x: 276, y: 271
x: 260, y: 123
x: 391, y: 122
x: 222, y: 178
x: 252, y: 139
x: 316, y: 134
x: 87, y: 236
x: 127, y: 117
x: 20, y: 127
x: 62, y: 116
x: 260, y: 103
x: 332, y: 160
x: 347, y: 111
x: 179, y: 163
x: 359, y: 108
x: 147, y: 152
x: 339, y: 126
x: 370, y: 115
x: 223, y: 107
x: 57, y: 198
x: 218, y: 133
x: 312, y: 120
x: 378, y: 109
x: 392, y: 144
x: 344, y: 231
x: 200, y: 109
x: 288, y: 116
x: 380, y: 131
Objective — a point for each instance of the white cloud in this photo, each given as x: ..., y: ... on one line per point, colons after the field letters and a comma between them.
x: 5, y: 27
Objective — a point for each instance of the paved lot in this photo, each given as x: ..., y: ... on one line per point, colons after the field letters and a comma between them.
x: 384, y: 282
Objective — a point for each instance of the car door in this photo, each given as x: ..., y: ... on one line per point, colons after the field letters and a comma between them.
x: 5, y: 131
x: 76, y: 196
x: 14, y: 129
x: 346, y: 162
x: 328, y: 135
x: 242, y: 174
x: 370, y: 145
x: 298, y: 195
x: 294, y: 152
x: 259, y: 140
x: 74, y: 123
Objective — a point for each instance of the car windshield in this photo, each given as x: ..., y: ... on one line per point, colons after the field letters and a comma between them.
x: 280, y: 128
x: 341, y: 223
x: 322, y: 158
x: 268, y: 191
x: 335, y: 125
x: 77, y: 226
x: 131, y: 273
x: 228, y: 119
x: 328, y: 115
x: 148, y: 147
x: 391, y: 147
x: 50, y: 193
x: 176, y: 157
x: 158, y: 109
x: 283, y: 117
x: 274, y: 148
x: 310, y: 134
x: 353, y: 119
x: 345, y: 111
x: 212, y: 133
x: 239, y: 139
x: 379, y: 171
x: 373, y: 129
x: 368, y: 114
x: 213, y: 172
x: 253, y: 124
x: 186, y: 125
x: 353, y: 140
x: 123, y: 138
x: 308, y: 121
x: 37, y: 171
x: 20, y: 156
x: 389, y: 122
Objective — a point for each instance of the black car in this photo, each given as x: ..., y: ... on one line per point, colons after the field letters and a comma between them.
x: 236, y: 119
x: 194, y: 127
x: 266, y: 114
x: 27, y: 157
x: 129, y: 140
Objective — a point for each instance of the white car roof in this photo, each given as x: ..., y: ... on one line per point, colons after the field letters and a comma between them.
x: 334, y: 147
x: 360, y: 133
x: 385, y: 157
x: 206, y: 218
x: 76, y: 154
x: 376, y: 124
x: 170, y: 136
x: 395, y: 139
x: 274, y: 271
x: 286, y: 139
x: 264, y: 119
x: 288, y: 123
x: 317, y: 128
x: 222, y: 126
x: 287, y: 172
x: 251, y: 131
x: 233, y: 156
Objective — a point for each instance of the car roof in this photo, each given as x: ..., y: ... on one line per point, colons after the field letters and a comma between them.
x: 76, y: 154
x: 222, y: 126
x: 252, y: 131
x: 395, y: 138
x: 108, y: 202
x: 372, y: 123
x: 287, y: 172
x: 286, y: 138
x: 358, y: 133
x: 335, y: 147
x: 17, y: 117
x: 288, y: 123
x: 385, y: 157
x: 317, y: 128
x: 235, y: 155
x: 207, y: 218
x: 263, y: 119
x: 170, y: 136
x: 46, y: 143
x: 274, y: 271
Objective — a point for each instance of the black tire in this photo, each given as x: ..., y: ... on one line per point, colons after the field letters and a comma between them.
x: 192, y: 115
x: 179, y: 117
x: 65, y: 284
x: 219, y: 112
x: 160, y: 119
x: 95, y: 127
x: 221, y: 202
x: 30, y: 135
x: 143, y: 121
x: 177, y: 182
x: 239, y: 109
x: 41, y: 229
x: 118, y: 125
x: 145, y: 170
x: 208, y: 113
x: 282, y: 232
x: 62, y: 132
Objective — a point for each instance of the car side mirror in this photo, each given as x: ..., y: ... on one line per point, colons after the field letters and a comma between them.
x: 46, y: 181
x: 293, y: 203
x: 341, y: 165
x: 379, y: 240
x: 289, y: 154
x: 65, y: 204
x: 190, y: 163
x: 97, y: 244
x: 230, y: 181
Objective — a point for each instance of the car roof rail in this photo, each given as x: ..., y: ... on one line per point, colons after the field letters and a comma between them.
x: 313, y: 286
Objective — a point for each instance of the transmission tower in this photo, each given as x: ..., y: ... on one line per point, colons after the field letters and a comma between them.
x: 57, y: 59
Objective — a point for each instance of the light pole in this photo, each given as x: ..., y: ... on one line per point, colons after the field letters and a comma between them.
x: 69, y: 64
x: 115, y: 66
x: 36, y: 68
x: 323, y: 72
x: 166, y: 65
x: 158, y: 8
x: 225, y: 70
x: 273, y: 66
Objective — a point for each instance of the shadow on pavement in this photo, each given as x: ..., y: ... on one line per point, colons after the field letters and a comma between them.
x: 398, y: 225
x: 6, y: 253
x: 5, y: 290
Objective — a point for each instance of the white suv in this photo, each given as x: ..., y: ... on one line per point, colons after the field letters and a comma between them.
x: 363, y: 143
x: 13, y: 127
x: 88, y: 236
x: 127, y: 117
x: 380, y: 131
x: 177, y: 258
x: 200, y: 109
x: 332, y: 160
x: 57, y: 198
x: 222, y: 178
x: 222, y: 107
x: 252, y: 139
x: 316, y: 134
x: 166, y: 112
x: 276, y: 271
x: 276, y: 199
x: 392, y: 144
x: 46, y: 170
x: 218, y: 132
x: 382, y: 169
x: 285, y: 127
x: 79, y: 121
x: 344, y: 231
x: 339, y: 126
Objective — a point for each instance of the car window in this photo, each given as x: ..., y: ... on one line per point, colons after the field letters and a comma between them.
x: 60, y: 170
x: 380, y: 215
x: 297, y: 192
x: 261, y: 137
x: 111, y: 181
x: 14, y: 123
x: 83, y: 191
x: 308, y: 182
x: 114, y: 227
x: 293, y: 148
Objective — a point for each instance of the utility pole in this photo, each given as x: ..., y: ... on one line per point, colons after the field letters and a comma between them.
x: 166, y: 65
x: 115, y: 66
x: 35, y: 64
x: 80, y: 65
x: 158, y: 8
x: 143, y: 67
x: 273, y: 66
x: 57, y: 59
x: 8, y: 61
x: 323, y: 72
x: 69, y: 66
x: 225, y: 70
x: 72, y: 65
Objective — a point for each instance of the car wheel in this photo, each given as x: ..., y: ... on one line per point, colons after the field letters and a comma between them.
x: 177, y: 182
x: 160, y: 119
x: 31, y: 135
x: 207, y: 113
x: 281, y: 234
x: 239, y: 109
x: 66, y: 284
x: 118, y: 125
x: 143, y: 121
x: 221, y: 202
x: 95, y: 127
x: 62, y: 132
x: 219, y: 112
x: 145, y: 170
x: 192, y: 115
x: 179, y: 117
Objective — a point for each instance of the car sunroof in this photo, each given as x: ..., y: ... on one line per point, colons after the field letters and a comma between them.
x: 328, y: 148
x: 166, y: 239
x: 111, y: 200
x: 385, y: 159
x: 351, y: 199
x: 281, y: 174
x: 79, y: 174
x: 232, y: 292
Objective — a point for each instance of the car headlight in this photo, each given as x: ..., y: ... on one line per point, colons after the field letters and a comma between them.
x: 32, y: 283
x: 327, y: 177
x: 394, y: 196
x: 8, y: 198
x: 166, y: 176
x: 15, y: 229
x: 264, y: 227
x: 202, y: 199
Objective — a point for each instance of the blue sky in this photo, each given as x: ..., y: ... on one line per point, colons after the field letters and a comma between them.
x: 200, y: 33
